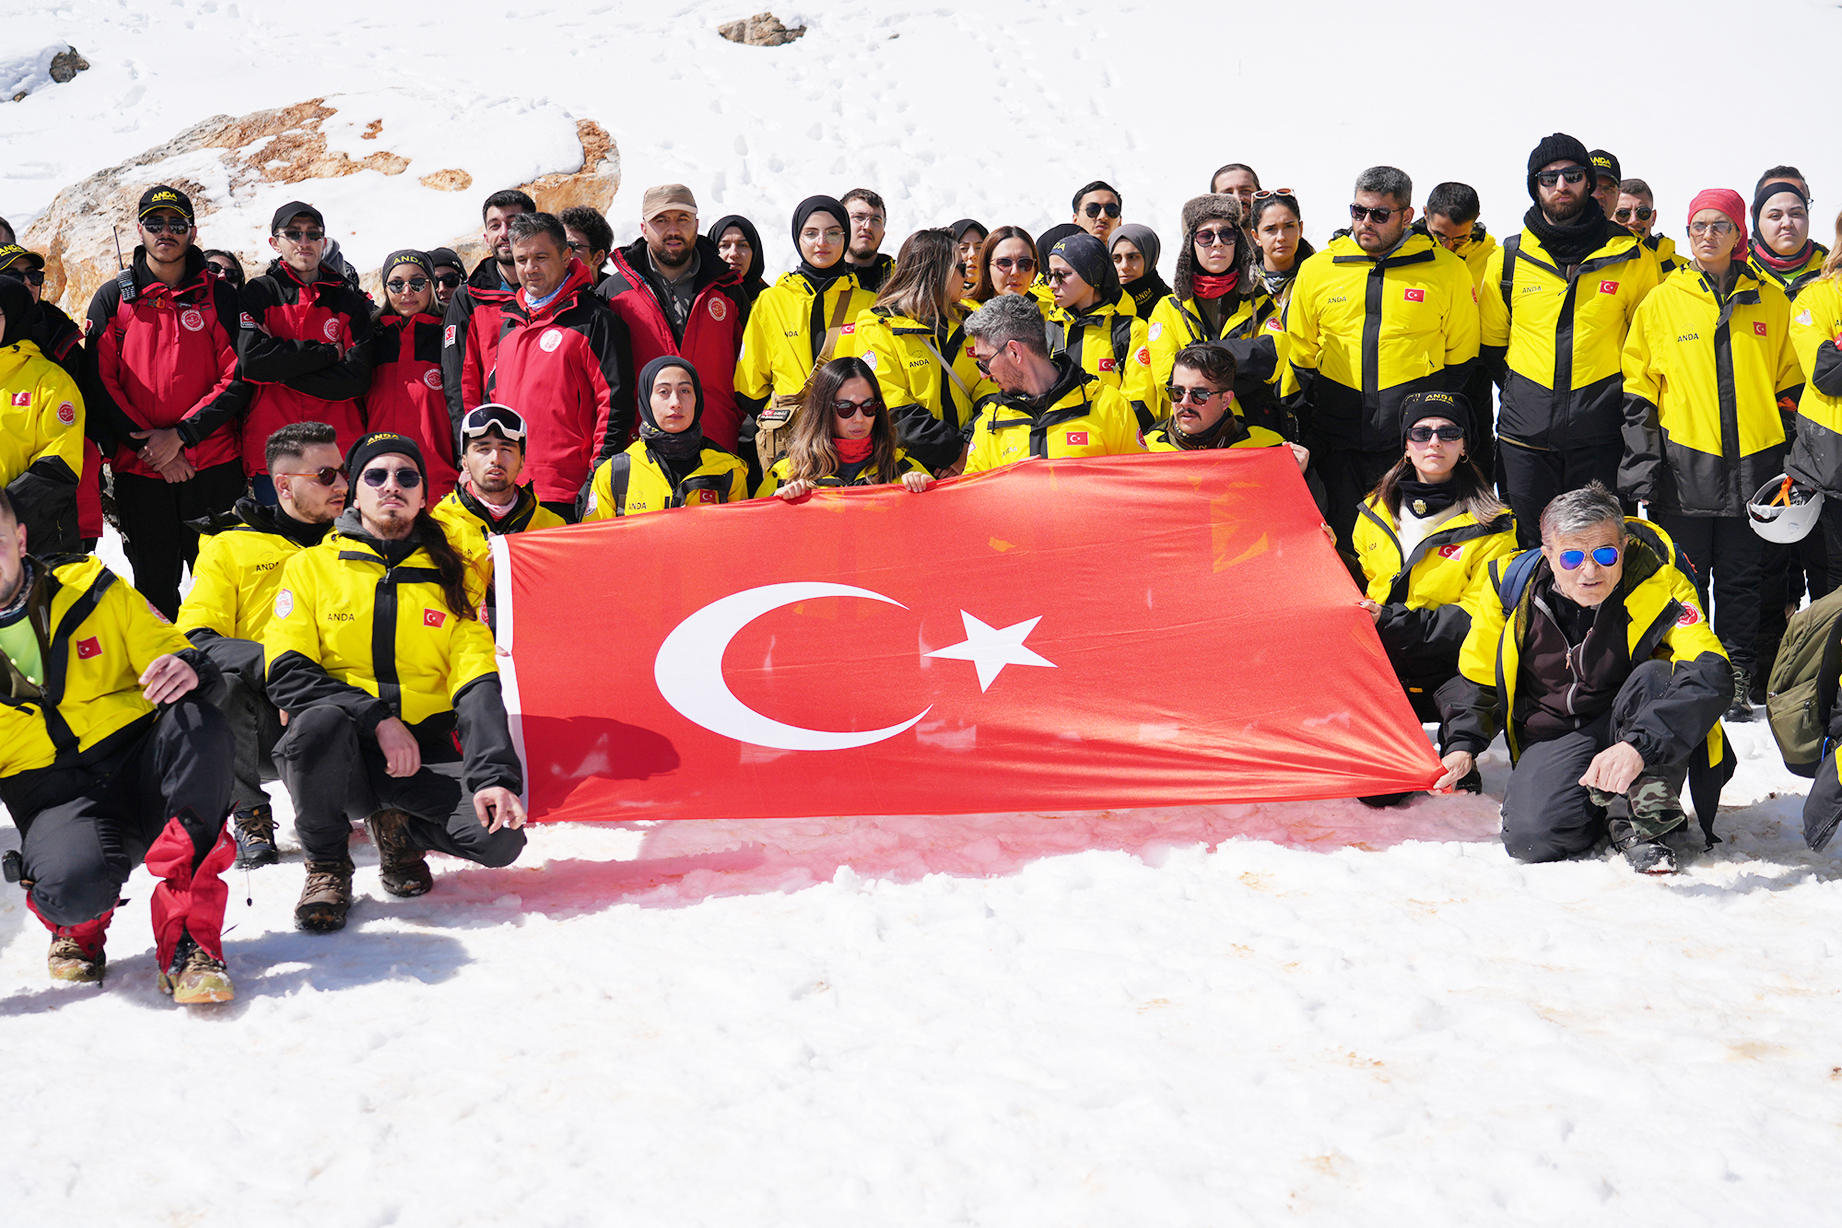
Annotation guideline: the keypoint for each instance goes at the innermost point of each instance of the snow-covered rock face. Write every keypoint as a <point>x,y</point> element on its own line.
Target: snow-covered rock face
<point>388,168</point>
<point>21,75</point>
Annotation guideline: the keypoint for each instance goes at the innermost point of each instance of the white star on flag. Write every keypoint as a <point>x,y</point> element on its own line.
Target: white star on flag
<point>990,649</point>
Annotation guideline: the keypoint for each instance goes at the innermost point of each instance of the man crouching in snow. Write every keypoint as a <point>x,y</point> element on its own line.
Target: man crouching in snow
<point>1612,683</point>
<point>110,751</point>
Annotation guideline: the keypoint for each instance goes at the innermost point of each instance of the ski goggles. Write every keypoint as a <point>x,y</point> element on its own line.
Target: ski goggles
<point>1605,556</point>
<point>501,418</point>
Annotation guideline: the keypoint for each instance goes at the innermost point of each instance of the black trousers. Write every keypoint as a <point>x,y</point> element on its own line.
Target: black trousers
<point>1728,558</point>
<point>153,513</point>
<point>84,829</point>
<point>1547,813</point>
<point>1348,477</point>
<point>254,721</point>
<point>1530,478</point>
<point>336,775</point>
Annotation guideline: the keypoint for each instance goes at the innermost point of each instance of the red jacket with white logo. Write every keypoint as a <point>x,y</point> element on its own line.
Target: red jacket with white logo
<point>305,348</point>
<point>567,367</point>
<point>712,336</point>
<point>406,393</point>
<point>162,356</point>
<point>470,338</point>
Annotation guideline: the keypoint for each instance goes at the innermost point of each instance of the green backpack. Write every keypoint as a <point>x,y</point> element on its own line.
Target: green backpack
<point>1801,694</point>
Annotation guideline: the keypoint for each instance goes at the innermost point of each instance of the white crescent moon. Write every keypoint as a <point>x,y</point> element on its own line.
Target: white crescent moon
<point>689,671</point>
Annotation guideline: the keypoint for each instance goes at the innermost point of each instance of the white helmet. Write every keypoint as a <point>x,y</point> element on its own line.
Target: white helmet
<point>1781,512</point>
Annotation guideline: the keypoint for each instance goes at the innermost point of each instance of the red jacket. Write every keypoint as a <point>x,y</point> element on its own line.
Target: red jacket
<point>470,338</point>
<point>406,394</point>
<point>567,367</point>
<point>304,346</point>
<point>712,336</point>
<point>159,357</point>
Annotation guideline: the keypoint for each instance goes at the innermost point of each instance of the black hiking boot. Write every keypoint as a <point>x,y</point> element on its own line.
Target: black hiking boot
<point>1742,695</point>
<point>402,865</point>
<point>254,829</point>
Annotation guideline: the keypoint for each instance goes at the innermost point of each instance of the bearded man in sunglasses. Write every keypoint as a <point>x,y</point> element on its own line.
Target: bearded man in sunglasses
<point>239,568</point>
<point>1594,658</point>
<point>377,654</point>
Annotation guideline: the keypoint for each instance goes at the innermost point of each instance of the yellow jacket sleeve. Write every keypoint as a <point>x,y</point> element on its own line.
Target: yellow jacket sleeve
<point>1477,660</point>
<point>738,483</point>
<point>147,635</point>
<point>1461,321</point>
<point>982,454</point>
<point>212,603</point>
<point>600,495</point>
<point>1492,311</point>
<point>470,656</point>
<point>754,365</point>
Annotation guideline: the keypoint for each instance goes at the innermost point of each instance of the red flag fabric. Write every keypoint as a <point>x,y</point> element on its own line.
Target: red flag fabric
<point>1150,630</point>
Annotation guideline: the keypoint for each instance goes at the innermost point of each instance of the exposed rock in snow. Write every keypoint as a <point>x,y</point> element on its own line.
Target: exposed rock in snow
<point>761,30</point>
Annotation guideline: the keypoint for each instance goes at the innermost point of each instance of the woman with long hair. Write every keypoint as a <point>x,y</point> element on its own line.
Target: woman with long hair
<point>406,392</point>
<point>1006,265</point>
<point>671,464</point>
<point>1087,321</point>
<point>1279,235</point>
<point>1429,530</point>
<point>845,437</point>
<point>914,338</point>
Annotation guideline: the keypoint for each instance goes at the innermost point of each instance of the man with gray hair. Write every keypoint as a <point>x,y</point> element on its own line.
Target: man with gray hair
<point>1046,406</point>
<point>1594,658</point>
<point>1380,313</point>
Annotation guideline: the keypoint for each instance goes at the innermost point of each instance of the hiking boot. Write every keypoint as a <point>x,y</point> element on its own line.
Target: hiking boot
<point>72,960</point>
<point>254,829</point>
<point>1742,695</point>
<point>196,977</point>
<point>326,897</point>
<point>1651,857</point>
<point>403,867</point>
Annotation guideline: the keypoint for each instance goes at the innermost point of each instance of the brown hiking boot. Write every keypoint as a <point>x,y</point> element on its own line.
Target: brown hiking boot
<point>196,977</point>
<point>403,866</point>
<point>326,897</point>
<point>70,961</point>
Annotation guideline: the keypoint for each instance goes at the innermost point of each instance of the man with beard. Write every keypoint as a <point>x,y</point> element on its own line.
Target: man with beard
<point>470,332</point>
<point>489,501</point>
<point>869,219</point>
<point>1557,301</point>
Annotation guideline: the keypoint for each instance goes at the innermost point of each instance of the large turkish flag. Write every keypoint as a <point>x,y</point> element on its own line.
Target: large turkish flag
<point>1145,630</point>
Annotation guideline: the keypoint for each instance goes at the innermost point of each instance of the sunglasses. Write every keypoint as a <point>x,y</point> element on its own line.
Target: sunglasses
<point>1572,174</point>
<point>449,281</point>
<point>35,276</point>
<point>1285,192</point>
<point>1717,229</point>
<point>167,226</point>
<point>983,363</point>
<point>303,236</point>
<point>1095,209</point>
<point>1605,556</point>
<point>1209,238</point>
<point>1192,396</point>
<point>1058,276</point>
<point>846,410</point>
<point>481,420</point>
<point>407,479</point>
<point>326,475</point>
<point>1640,213</point>
<point>1023,264</point>
<point>415,284</point>
<point>1357,213</point>
<point>1424,434</point>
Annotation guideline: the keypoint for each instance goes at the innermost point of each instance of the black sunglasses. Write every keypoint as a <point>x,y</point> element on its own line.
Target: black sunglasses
<point>1640,213</point>
<point>1095,209</point>
<point>448,281</point>
<point>326,475</point>
<point>163,226</point>
<point>1572,174</point>
<point>303,236</point>
<point>850,409</point>
<point>1424,434</point>
<point>407,479</point>
<point>1023,264</point>
<point>1226,236</point>
<point>1357,213</point>
<point>35,276</point>
<point>416,284</point>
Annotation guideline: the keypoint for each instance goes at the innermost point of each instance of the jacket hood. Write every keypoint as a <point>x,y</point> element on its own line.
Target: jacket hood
<point>1213,207</point>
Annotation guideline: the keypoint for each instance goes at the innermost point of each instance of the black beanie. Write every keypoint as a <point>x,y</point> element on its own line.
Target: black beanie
<point>1557,148</point>
<point>407,255</point>
<point>382,443</point>
<point>1767,191</point>
<point>1453,405</point>
<point>1046,242</point>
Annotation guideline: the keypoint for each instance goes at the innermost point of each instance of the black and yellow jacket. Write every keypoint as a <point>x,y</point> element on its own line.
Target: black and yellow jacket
<point>929,379</point>
<point>1556,336</point>
<point>1793,280</point>
<point>41,445</point>
<point>470,526</point>
<point>1254,332</point>
<point>1424,620</point>
<point>1077,416</point>
<point>849,475</point>
<point>788,327</point>
<point>1664,249</point>
<point>1816,323</point>
<point>239,568</point>
<point>635,482</point>
<point>379,639</point>
<point>96,636</point>
<point>1663,619</point>
<point>1703,377</point>
<point>1363,332</point>
<point>1111,344</point>
<point>1237,434</point>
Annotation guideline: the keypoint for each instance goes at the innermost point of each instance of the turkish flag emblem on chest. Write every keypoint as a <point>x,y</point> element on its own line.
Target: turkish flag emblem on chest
<point>989,645</point>
<point>88,648</point>
<point>1416,296</point>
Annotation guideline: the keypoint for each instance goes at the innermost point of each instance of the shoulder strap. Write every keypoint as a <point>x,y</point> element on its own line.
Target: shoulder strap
<point>620,475</point>
<point>1511,246</point>
<point>1122,342</point>
<point>1515,577</point>
<point>948,368</point>
<point>1826,677</point>
<point>833,330</point>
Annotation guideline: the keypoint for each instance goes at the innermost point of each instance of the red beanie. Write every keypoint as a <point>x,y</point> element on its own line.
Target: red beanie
<point>1728,202</point>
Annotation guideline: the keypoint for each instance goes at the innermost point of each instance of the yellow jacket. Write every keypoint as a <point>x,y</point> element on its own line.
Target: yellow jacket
<point>1362,333</point>
<point>1565,335</point>
<point>41,445</point>
<point>1816,322</point>
<point>1080,417</point>
<point>1111,345</point>
<point>932,405</point>
<point>781,473</point>
<point>1791,281</point>
<point>96,636</point>
<point>1702,381</point>
<point>239,568</point>
<point>633,482</point>
<point>1664,249</point>
<point>1255,334</point>
<point>779,344</point>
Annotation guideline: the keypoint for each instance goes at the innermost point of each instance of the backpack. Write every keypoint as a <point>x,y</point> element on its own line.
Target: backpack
<point>1801,695</point>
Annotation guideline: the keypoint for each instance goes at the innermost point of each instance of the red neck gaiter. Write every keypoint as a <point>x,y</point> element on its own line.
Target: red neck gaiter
<point>854,451</point>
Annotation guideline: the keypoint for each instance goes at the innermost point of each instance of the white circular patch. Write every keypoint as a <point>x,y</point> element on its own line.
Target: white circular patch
<point>193,319</point>
<point>432,377</point>
<point>869,360</point>
<point>550,340</point>
<point>718,307</point>
<point>1156,330</point>
<point>332,329</point>
<point>284,603</point>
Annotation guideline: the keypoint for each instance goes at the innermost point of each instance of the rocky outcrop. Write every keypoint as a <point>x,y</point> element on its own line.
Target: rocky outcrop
<point>21,76</point>
<point>233,169</point>
<point>761,30</point>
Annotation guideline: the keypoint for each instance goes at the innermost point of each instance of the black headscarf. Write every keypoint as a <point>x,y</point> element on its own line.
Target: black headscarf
<point>964,224</point>
<point>1150,289</point>
<point>1087,256</point>
<point>1046,242</point>
<point>16,305</point>
<point>753,282</point>
<point>677,454</point>
<point>821,279</point>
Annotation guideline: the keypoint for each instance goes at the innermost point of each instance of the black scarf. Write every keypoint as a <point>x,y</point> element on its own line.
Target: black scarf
<point>1226,432</point>
<point>1571,242</point>
<point>1147,292</point>
<point>1426,499</point>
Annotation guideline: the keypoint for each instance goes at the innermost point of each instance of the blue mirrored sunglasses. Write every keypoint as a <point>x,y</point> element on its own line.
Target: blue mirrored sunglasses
<point>1605,556</point>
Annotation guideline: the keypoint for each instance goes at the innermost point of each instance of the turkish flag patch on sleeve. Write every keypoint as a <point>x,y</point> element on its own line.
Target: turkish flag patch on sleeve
<point>434,618</point>
<point>1416,295</point>
<point>1759,327</point>
<point>88,648</point>
<point>21,399</point>
<point>1077,439</point>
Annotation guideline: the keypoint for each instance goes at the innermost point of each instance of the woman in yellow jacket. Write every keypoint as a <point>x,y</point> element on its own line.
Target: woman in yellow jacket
<point>1007,264</point>
<point>849,438</point>
<point>671,464</point>
<point>914,340</point>
<point>1706,363</point>
<point>1215,297</point>
<point>1087,321</point>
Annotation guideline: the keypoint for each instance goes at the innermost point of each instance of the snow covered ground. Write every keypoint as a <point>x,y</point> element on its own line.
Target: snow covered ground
<point>1223,1015</point>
